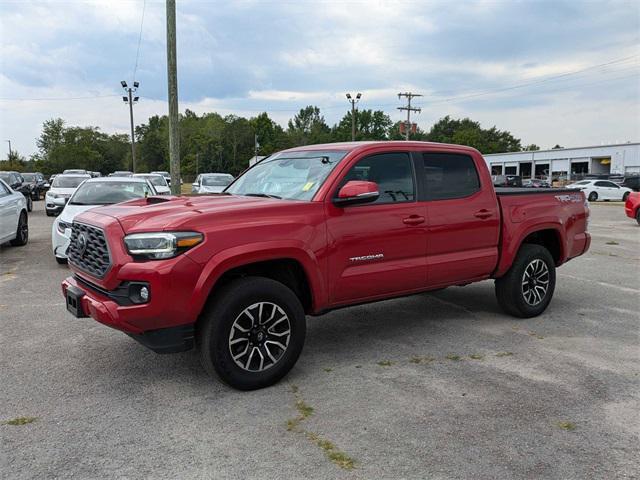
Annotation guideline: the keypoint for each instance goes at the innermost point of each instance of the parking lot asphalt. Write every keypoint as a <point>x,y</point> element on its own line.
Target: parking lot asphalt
<point>436,386</point>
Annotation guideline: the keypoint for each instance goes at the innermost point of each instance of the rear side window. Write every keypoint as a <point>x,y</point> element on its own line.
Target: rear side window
<point>449,175</point>
<point>393,172</point>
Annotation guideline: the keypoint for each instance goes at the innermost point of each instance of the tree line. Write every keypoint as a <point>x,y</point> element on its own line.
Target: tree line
<point>213,143</point>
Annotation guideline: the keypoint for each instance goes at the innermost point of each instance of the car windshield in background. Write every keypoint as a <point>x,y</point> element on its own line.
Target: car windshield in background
<point>216,181</point>
<point>29,177</point>
<point>107,193</point>
<point>157,180</point>
<point>64,181</point>
<point>5,177</point>
<point>289,175</point>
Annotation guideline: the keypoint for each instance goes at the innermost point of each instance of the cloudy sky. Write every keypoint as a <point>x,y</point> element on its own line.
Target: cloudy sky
<point>550,72</point>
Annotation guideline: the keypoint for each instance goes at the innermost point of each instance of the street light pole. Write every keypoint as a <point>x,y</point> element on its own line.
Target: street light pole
<point>353,102</point>
<point>9,141</point>
<point>130,99</point>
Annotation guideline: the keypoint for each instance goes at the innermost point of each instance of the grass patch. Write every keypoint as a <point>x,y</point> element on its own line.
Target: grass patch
<point>328,370</point>
<point>304,409</point>
<point>341,459</point>
<point>476,356</point>
<point>385,363</point>
<point>453,357</point>
<point>332,452</point>
<point>20,421</point>
<point>569,426</point>
<point>358,366</point>
<point>535,335</point>
<point>612,242</point>
<point>504,354</point>
<point>421,359</point>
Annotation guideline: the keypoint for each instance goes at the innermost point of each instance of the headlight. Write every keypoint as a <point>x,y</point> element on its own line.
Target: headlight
<point>62,226</point>
<point>52,195</point>
<point>159,245</point>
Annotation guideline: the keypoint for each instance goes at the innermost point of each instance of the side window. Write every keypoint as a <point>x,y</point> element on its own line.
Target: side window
<point>602,184</point>
<point>4,191</point>
<point>611,185</point>
<point>393,172</point>
<point>449,175</point>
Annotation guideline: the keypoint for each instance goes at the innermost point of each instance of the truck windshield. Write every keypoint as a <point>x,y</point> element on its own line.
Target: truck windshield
<point>288,175</point>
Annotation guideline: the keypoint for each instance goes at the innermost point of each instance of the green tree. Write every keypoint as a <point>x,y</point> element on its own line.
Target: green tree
<point>467,132</point>
<point>308,127</point>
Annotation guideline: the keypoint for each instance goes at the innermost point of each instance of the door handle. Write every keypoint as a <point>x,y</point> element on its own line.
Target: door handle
<point>413,220</point>
<point>484,213</point>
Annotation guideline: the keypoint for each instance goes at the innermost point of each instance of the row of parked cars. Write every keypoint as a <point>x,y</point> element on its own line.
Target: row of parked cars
<point>74,192</point>
<point>595,187</point>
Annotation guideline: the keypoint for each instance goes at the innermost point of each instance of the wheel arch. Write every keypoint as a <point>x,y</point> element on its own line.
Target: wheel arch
<point>294,267</point>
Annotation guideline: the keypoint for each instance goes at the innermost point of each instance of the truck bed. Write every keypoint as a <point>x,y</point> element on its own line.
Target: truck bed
<point>500,191</point>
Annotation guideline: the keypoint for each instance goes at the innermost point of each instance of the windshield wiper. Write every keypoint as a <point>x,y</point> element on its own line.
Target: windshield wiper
<point>265,195</point>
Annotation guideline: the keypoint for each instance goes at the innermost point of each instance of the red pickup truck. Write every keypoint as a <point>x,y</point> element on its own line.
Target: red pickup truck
<point>309,230</point>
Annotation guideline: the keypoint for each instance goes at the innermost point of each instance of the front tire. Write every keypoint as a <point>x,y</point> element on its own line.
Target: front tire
<point>22,232</point>
<point>593,196</point>
<point>527,288</point>
<point>625,196</point>
<point>61,261</point>
<point>251,333</point>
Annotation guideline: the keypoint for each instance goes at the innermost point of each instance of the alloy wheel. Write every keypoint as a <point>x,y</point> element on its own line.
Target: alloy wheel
<point>259,336</point>
<point>535,282</point>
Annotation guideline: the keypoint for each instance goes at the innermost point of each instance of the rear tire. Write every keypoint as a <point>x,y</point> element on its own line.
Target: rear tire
<point>22,232</point>
<point>61,261</point>
<point>29,204</point>
<point>527,288</point>
<point>240,330</point>
<point>593,196</point>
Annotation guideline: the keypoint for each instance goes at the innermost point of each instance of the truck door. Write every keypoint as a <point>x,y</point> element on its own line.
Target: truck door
<point>377,249</point>
<point>463,220</point>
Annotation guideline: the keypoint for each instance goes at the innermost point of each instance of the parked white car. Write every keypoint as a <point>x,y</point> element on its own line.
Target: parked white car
<point>93,193</point>
<point>158,182</point>
<point>62,187</point>
<point>211,182</point>
<point>601,190</point>
<point>14,222</point>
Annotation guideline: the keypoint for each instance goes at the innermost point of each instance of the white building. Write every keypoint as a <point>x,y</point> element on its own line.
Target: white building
<point>568,163</point>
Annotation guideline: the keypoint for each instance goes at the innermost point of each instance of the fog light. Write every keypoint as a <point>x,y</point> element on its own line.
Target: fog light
<point>144,294</point>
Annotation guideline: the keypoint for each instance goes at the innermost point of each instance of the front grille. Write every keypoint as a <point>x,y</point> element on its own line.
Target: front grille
<point>88,250</point>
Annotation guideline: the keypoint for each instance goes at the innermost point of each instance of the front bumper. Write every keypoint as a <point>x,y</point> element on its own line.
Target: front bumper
<point>59,241</point>
<point>108,309</point>
<point>52,208</point>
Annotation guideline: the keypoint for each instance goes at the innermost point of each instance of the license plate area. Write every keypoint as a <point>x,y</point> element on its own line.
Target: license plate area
<point>74,301</point>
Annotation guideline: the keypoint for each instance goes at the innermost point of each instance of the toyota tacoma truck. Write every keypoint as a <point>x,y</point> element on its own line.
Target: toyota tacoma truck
<point>309,230</point>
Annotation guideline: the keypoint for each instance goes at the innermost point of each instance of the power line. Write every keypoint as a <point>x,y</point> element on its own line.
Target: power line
<point>135,68</point>
<point>536,82</point>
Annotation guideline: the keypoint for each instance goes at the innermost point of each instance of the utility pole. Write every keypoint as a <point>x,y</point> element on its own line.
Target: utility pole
<point>130,99</point>
<point>9,141</point>
<point>353,102</point>
<point>172,81</point>
<point>197,162</point>
<point>409,109</point>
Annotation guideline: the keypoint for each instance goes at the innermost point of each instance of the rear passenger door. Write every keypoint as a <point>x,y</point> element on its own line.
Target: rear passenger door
<point>463,221</point>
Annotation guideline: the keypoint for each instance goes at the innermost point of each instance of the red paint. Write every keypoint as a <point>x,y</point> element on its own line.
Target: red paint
<point>349,254</point>
<point>632,205</point>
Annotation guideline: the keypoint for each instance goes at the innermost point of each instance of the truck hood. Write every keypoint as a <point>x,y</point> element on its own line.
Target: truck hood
<point>171,213</point>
